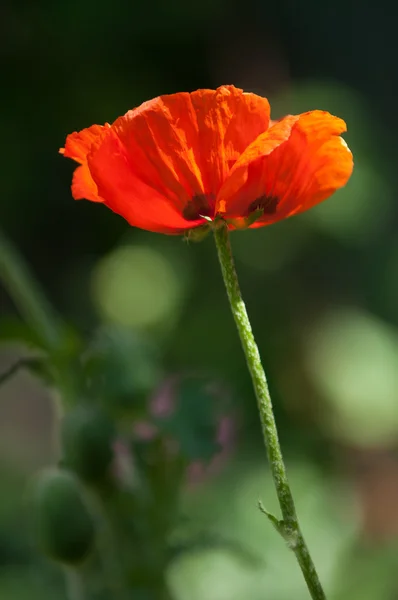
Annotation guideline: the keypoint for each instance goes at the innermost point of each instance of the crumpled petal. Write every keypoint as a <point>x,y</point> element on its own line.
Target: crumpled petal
<point>78,143</point>
<point>77,147</point>
<point>228,121</point>
<point>83,186</point>
<point>131,196</point>
<point>300,161</point>
<point>180,160</point>
<point>161,164</point>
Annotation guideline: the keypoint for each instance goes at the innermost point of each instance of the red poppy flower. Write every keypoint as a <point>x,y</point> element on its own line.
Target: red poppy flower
<point>180,160</point>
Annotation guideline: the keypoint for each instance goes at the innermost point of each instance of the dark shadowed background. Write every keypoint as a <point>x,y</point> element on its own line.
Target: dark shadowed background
<point>321,288</point>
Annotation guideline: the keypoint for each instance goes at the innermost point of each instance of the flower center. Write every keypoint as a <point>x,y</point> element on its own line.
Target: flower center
<point>200,205</point>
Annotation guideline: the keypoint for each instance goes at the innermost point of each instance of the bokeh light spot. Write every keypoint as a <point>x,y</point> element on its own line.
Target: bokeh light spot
<point>136,286</point>
<point>352,358</point>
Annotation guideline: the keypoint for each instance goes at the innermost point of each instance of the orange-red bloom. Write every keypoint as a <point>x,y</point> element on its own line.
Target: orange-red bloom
<point>177,161</point>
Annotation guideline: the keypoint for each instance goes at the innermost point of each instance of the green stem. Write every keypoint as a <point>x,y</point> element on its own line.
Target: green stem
<point>289,527</point>
<point>27,295</point>
<point>74,584</point>
<point>106,545</point>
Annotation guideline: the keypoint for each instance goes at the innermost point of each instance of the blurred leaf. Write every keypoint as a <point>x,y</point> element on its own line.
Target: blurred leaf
<point>87,435</point>
<point>13,329</point>
<point>60,367</point>
<point>121,365</point>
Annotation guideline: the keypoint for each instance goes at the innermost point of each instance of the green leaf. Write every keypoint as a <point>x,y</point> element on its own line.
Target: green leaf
<point>13,329</point>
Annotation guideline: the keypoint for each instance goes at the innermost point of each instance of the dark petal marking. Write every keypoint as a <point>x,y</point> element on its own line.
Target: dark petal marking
<point>268,204</point>
<point>202,204</point>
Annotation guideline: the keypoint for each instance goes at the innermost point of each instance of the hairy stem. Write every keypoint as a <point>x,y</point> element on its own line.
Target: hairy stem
<point>288,527</point>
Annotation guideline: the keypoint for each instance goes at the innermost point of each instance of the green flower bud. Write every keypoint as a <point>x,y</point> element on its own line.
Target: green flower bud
<point>63,524</point>
<point>87,441</point>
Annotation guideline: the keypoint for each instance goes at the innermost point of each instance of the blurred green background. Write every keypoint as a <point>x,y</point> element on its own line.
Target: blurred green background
<point>321,289</point>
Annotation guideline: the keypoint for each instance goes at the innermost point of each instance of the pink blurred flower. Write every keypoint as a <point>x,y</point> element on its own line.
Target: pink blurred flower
<point>198,471</point>
<point>145,431</point>
<point>162,405</point>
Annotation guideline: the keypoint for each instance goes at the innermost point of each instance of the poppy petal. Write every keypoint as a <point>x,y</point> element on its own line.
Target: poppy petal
<point>78,143</point>
<point>228,121</point>
<point>77,146</point>
<point>185,144</point>
<point>299,162</point>
<point>83,186</point>
<point>174,152</point>
<point>129,194</point>
<point>160,141</point>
